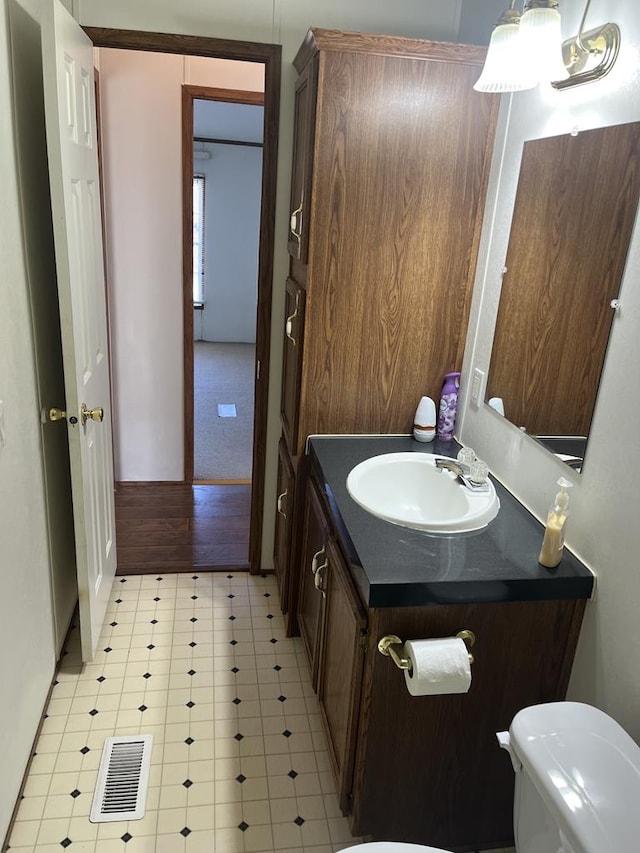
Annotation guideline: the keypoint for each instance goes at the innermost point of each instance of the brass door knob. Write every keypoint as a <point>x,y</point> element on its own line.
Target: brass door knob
<point>56,414</point>
<point>96,414</point>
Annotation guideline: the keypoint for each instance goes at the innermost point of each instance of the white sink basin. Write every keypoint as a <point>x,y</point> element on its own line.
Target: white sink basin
<point>407,489</point>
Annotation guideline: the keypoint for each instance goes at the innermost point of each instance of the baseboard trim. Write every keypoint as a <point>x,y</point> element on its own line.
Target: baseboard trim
<point>180,569</point>
<point>147,483</point>
<point>222,482</point>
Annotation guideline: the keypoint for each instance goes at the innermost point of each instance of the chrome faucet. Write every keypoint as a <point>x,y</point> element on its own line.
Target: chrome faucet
<point>463,473</point>
<point>458,468</point>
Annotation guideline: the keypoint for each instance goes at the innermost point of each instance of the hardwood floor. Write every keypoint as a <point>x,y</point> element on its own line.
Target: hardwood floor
<point>173,527</point>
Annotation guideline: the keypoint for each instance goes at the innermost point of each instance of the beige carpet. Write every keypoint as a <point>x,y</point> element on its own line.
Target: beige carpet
<point>223,376</point>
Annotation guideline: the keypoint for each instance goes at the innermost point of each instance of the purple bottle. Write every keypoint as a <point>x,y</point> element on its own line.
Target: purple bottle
<point>448,406</point>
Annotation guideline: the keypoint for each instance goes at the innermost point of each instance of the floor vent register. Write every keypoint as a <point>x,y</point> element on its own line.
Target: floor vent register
<point>123,779</point>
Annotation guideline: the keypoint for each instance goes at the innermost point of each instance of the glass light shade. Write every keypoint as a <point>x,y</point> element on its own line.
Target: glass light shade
<point>504,69</point>
<point>541,44</point>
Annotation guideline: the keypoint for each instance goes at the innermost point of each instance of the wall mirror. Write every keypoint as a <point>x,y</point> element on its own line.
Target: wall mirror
<point>574,212</point>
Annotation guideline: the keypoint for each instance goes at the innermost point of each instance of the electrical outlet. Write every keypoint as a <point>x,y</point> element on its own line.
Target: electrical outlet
<point>477,387</point>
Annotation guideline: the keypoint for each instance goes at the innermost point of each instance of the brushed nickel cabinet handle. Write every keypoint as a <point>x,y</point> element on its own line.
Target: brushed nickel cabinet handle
<point>293,223</point>
<point>317,578</point>
<point>288,326</point>
<point>314,560</point>
<point>280,500</point>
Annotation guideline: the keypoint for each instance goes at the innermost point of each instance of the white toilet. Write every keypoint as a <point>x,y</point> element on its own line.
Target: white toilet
<point>577,784</point>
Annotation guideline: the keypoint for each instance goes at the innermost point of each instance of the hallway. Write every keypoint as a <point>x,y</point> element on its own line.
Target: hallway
<point>239,758</point>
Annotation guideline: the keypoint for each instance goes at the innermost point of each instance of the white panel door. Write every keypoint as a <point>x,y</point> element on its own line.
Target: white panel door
<point>75,200</point>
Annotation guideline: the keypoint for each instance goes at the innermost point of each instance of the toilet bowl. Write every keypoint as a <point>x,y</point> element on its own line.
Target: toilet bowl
<point>394,847</point>
<point>577,784</point>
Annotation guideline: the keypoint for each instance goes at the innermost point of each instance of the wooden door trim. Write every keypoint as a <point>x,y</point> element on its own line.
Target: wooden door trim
<point>271,56</point>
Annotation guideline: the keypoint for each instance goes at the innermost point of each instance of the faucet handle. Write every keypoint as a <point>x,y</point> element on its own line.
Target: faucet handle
<point>466,455</point>
<point>478,472</point>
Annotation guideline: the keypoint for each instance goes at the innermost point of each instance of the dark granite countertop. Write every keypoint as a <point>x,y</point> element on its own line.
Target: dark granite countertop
<point>395,566</point>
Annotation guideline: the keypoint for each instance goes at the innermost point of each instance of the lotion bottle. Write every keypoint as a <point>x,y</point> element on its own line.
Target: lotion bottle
<point>553,542</point>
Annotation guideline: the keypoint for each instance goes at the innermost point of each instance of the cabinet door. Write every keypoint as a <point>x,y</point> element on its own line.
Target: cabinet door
<point>292,362</point>
<point>285,504</point>
<point>340,668</point>
<point>312,561</point>
<point>305,111</point>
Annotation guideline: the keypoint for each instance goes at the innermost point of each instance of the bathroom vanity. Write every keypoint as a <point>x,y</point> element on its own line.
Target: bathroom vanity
<point>426,769</point>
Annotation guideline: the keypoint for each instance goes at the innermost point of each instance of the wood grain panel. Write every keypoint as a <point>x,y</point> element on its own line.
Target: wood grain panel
<point>400,169</point>
<point>435,51</point>
<point>174,527</point>
<point>461,791</point>
<point>574,212</point>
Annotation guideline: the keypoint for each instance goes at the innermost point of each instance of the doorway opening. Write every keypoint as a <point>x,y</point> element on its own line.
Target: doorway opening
<point>227,128</point>
<point>269,56</point>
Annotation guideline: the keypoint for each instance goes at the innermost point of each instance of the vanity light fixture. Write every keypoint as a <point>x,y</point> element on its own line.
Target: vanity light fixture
<point>526,50</point>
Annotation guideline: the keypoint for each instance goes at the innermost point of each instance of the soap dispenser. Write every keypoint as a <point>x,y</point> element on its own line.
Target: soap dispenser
<point>553,542</point>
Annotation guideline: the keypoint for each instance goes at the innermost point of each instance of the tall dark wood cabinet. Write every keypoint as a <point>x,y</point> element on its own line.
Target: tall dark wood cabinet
<point>391,157</point>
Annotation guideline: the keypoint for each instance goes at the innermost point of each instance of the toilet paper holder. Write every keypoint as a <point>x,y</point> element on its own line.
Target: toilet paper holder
<point>392,647</point>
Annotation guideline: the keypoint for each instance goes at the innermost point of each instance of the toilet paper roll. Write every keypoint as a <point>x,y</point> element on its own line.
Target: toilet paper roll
<point>437,667</point>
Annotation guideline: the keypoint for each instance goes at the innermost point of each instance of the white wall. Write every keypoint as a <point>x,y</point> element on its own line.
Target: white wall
<point>478,18</point>
<point>603,529</point>
<point>27,654</point>
<point>284,22</point>
<point>233,190</point>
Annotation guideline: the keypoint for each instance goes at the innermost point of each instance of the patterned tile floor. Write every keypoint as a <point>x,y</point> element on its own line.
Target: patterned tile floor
<point>239,758</point>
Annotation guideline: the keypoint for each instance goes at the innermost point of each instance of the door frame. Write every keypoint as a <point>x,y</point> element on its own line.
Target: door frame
<point>270,55</point>
<point>189,95</point>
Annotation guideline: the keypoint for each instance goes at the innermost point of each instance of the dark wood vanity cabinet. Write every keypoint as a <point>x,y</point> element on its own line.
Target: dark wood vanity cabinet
<point>424,769</point>
<point>340,665</point>
<point>332,624</point>
<point>312,567</point>
<point>392,150</point>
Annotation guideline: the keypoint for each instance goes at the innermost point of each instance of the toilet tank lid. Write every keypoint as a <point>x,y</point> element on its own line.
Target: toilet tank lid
<point>586,768</point>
